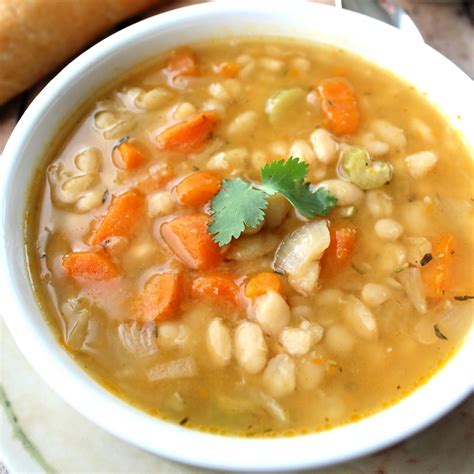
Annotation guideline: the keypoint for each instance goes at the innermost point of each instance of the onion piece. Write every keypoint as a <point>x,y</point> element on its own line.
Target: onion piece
<point>270,405</point>
<point>411,282</point>
<point>174,369</point>
<point>140,341</point>
<point>303,246</point>
<point>299,253</point>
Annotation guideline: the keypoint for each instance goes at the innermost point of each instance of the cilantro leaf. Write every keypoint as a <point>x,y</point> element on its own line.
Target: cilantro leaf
<point>240,204</point>
<point>287,178</point>
<point>237,205</point>
<point>280,174</point>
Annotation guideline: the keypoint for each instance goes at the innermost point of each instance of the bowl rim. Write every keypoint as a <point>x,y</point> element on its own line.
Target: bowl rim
<point>130,424</point>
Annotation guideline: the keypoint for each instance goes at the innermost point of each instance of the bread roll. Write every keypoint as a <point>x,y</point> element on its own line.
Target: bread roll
<point>36,36</point>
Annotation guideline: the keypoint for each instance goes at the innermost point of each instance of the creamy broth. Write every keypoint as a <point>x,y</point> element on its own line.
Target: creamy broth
<point>232,341</point>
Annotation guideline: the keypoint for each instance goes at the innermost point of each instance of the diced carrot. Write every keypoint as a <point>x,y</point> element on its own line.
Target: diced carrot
<point>437,274</point>
<point>161,298</point>
<point>183,62</point>
<point>156,180</point>
<point>188,238</point>
<point>216,288</point>
<point>318,361</point>
<point>227,69</point>
<point>339,104</point>
<point>198,188</point>
<point>89,265</point>
<point>340,248</point>
<point>122,218</point>
<point>188,136</point>
<point>262,282</point>
<point>127,156</point>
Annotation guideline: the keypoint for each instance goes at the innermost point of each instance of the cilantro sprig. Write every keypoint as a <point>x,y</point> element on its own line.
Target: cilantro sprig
<point>241,204</point>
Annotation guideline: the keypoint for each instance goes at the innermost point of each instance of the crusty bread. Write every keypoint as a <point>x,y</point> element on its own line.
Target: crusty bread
<point>36,36</point>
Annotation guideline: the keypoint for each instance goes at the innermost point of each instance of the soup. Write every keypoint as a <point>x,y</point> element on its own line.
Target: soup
<point>257,237</point>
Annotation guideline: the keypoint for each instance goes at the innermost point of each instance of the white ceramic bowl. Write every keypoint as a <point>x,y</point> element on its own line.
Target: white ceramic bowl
<point>409,57</point>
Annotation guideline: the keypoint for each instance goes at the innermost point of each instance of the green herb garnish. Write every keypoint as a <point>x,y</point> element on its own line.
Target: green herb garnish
<point>464,297</point>
<point>438,333</point>
<point>241,204</point>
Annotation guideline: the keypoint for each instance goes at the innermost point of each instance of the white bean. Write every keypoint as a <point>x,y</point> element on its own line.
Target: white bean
<point>295,341</point>
<point>253,246</point>
<point>379,203</point>
<point>271,312</point>
<point>301,149</point>
<point>421,163</point>
<point>73,188</point>
<point>373,146</point>
<point>153,99</point>
<point>215,105</point>
<point>184,111</point>
<point>389,133</point>
<point>272,65</point>
<point>139,254</point>
<point>278,148</point>
<point>422,129</point>
<point>250,348</point>
<point>279,376</point>
<point>388,229</point>
<point>313,99</point>
<point>339,340</point>
<point>415,217</point>
<point>302,65</point>
<point>374,294</point>
<point>417,248</point>
<point>88,161</point>
<point>361,319</point>
<point>233,87</point>
<point>89,200</point>
<point>219,92</point>
<point>160,204</point>
<point>302,312</point>
<point>394,256</point>
<point>219,343</point>
<point>346,193</point>
<point>324,145</point>
<point>104,119</point>
<point>121,129</point>
<point>234,158</point>
<point>308,374</point>
<point>315,330</point>
<point>243,124</point>
<point>304,282</point>
<point>172,334</point>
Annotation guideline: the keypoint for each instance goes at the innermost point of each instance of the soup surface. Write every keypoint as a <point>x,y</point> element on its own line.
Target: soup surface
<point>199,272</point>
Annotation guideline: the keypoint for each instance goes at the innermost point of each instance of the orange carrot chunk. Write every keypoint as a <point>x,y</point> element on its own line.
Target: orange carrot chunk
<point>227,69</point>
<point>123,215</point>
<point>160,299</point>
<point>188,238</point>
<point>127,156</point>
<point>339,104</point>
<point>188,136</point>
<point>437,274</point>
<point>260,283</point>
<point>198,188</point>
<point>340,249</point>
<point>216,288</point>
<point>183,62</point>
<point>89,265</point>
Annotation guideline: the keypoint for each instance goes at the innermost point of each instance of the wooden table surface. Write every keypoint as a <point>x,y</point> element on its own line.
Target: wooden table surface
<point>444,24</point>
